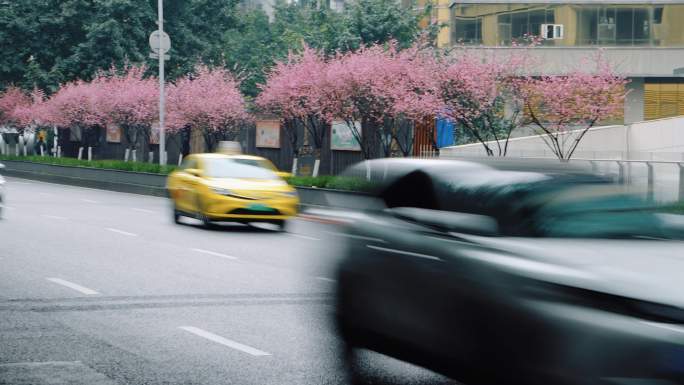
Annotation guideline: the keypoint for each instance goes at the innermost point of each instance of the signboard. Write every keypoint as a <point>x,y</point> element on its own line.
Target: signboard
<point>305,165</point>
<point>342,138</point>
<point>113,133</point>
<point>154,133</point>
<point>160,42</point>
<point>268,133</point>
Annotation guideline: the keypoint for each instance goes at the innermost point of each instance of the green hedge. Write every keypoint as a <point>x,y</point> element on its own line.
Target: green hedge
<point>323,181</point>
<point>103,164</point>
<point>331,182</point>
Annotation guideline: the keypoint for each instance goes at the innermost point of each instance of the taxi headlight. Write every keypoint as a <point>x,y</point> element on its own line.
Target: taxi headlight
<point>222,191</point>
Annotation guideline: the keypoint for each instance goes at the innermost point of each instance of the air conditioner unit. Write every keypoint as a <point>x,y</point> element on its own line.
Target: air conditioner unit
<point>552,31</point>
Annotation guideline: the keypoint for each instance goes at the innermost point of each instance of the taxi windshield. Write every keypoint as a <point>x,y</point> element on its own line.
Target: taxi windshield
<point>228,168</point>
<point>255,162</point>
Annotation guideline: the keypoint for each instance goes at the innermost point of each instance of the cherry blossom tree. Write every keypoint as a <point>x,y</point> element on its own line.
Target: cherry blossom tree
<point>33,113</point>
<point>12,102</point>
<point>296,90</point>
<point>482,91</point>
<point>79,106</point>
<point>379,86</point>
<point>565,107</point>
<point>207,99</point>
<point>132,103</point>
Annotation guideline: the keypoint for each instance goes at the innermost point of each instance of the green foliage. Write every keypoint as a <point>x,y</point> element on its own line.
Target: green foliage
<point>331,182</point>
<point>48,42</point>
<point>250,47</point>
<point>103,164</point>
<point>377,21</point>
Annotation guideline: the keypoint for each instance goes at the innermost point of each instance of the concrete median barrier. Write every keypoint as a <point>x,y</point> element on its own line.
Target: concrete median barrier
<point>154,184</point>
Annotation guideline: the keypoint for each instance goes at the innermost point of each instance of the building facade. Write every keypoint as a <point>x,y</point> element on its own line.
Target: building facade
<point>643,39</point>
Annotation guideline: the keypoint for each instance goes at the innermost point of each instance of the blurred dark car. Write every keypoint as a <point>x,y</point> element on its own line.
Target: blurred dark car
<point>513,273</point>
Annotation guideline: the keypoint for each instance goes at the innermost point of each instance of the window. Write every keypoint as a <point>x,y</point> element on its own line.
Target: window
<point>552,31</point>
<point>588,24</point>
<point>658,15</point>
<point>468,30</point>
<point>519,25</point>
<point>606,26</point>
<point>624,26</point>
<point>642,26</point>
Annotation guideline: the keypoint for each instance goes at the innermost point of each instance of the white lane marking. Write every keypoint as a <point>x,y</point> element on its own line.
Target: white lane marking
<point>71,285</point>
<point>46,194</point>
<point>8,207</point>
<point>121,232</point>
<point>16,182</point>
<point>354,236</point>
<point>304,237</point>
<point>224,341</point>
<point>326,279</point>
<point>404,252</point>
<point>215,254</point>
<point>53,217</point>
<point>88,200</point>
<point>143,210</point>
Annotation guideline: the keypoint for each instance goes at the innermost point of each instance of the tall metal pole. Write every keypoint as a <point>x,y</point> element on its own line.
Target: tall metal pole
<point>162,137</point>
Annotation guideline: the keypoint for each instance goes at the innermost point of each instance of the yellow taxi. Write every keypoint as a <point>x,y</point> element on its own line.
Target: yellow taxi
<point>222,188</point>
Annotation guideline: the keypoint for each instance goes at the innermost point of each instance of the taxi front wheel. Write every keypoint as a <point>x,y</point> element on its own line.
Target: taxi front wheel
<point>206,222</point>
<point>280,223</point>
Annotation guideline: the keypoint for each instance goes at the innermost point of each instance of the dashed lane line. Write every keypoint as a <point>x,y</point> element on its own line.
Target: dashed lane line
<point>224,341</point>
<point>74,286</point>
<point>215,254</point>
<point>121,232</point>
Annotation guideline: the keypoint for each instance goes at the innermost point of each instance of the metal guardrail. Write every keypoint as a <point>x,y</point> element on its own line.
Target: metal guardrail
<point>625,174</point>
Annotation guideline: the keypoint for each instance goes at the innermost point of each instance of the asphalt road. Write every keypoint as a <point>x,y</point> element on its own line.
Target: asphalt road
<point>102,288</point>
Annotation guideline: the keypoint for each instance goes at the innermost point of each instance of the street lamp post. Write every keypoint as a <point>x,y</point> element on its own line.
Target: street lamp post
<point>162,136</point>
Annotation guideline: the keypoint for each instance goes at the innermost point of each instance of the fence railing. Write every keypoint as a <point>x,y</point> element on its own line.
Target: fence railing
<point>655,180</point>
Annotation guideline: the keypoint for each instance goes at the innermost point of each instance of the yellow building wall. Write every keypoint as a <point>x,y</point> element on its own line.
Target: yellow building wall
<point>567,16</point>
<point>673,21</point>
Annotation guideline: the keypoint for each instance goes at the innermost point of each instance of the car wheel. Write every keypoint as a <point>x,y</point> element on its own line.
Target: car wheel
<point>176,216</point>
<point>206,222</point>
<point>281,224</point>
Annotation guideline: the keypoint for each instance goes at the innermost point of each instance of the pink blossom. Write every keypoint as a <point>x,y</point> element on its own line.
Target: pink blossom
<point>208,99</point>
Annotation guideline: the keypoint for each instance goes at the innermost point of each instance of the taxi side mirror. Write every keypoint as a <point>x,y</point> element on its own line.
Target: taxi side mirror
<point>194,172</point>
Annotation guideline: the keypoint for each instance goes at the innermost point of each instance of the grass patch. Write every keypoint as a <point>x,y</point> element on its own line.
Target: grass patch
<point>101,164</point>
<point>331,182</point>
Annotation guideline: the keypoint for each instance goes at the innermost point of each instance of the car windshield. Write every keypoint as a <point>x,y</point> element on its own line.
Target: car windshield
<point>229,168</point>
<point>255,162</point>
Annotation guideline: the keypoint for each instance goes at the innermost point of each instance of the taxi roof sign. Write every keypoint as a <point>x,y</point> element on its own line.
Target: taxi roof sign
<point>229,147</point>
